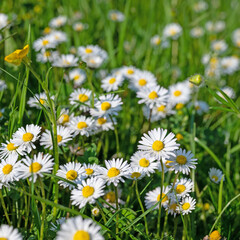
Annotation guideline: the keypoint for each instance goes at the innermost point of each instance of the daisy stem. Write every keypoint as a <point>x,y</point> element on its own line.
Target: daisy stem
<point>141,205</point>
<point>89,78</point>
<point>117,216</point>
<point>149,120</point>
<point>160,207</point>
<point>102,213</point>
<point>165,224</point>
<point>4,208</point>
<point>43,210</point>
<point>116,136</point>
<point>175,227</point>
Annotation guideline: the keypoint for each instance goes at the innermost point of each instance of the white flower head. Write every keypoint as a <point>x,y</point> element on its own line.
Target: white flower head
<point>112,83</point>
<point>64,117</point>
<point>44,43</point>
<point>39,99</point>
<point>58,22</point>
<point>183,187</point>
<point>90,170</point>
<point>136,173</point>
<point>65,61</point>
<point>78,76</point>
<point>219,46</point>
<point>215,175</point>
<point>3,85</point>
<point>9,233</point>
<point>179,93</point>
<point>9,149</point>
<point>197,32</point>
<point>3,20</point>
<point>187,205</point>
<point>172,30</point>
<point>116,16</point>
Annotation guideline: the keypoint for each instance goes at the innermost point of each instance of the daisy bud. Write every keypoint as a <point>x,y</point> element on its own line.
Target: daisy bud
<point>95,211</point>
<point>196,79</point>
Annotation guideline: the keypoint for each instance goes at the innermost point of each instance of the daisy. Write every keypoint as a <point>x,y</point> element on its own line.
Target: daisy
<point>44,43</point>
<point>183,161</point>
<point>112,83</point>
<point>58,22</point>
<point>107,105</point>
<point>219,46</point>
<point>71,171</point>
<point>9,169</point>
<point>144,161</point>
<point>172,207</point>
<point>64,135</point>
<point>166,166</point>
<point>216,27</point>
<point>158,144</point>
<point>94,61</point>
<point>183,186</point>
<point>78,76</point>
<point>110,197</point>
<point>9,233</point>
<point>200,6</point>
<point>81,125</point>
<point>136,173</point>
<point>58,36</point>
<point>157,41</point>
<point>152,197</point>
<point>91,50</point>
<point>87,192</point>
<point>47,56</point>
<point>179,93</point>
<point>229,65</point>
<point>187,205</point>
<point>64,117</point>
<point>228,91</point>
<point>197,32</point>
<point>38,100</point>
<point>8,149</point>
<point>114,172</point>
<point>81,96</point>
<point>26,137</point>
<point>64,61</point>
<point>79,228</point>
<point>129,71</point>
<point>79,26</point>
<point>201,107</point>
<point>90,170</point>
<point>236,37</point>
<point>172,30</point>
<point>35,167</point>
<point>215,175</point>
<point>95,212</point>
<point>105,124</point>
<point>152,96</point>
<point>3,20</point>
<point>116,16</point>
<point>3,85</point>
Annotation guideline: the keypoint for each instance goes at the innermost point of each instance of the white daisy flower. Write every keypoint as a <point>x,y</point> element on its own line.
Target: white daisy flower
<point>87,192</point>
<point>236,37</point>
<point>229,65</point>
<point>187,205</point>
<point>172,30</point>
<point>44,43</point>
<point>152,96</point>
<point>104,124</point>
<point>112,83</point>
<point>215,175</point>
<point>78,76</point>
<point>90,170</point>
<point>8,149</point>
<point>91,50</point>
<point>79,228</point>
<point>136,173</point>
<point>144,161</point>
<point>9,233</point>
<point>72,172</point>
<point>114,172</point>
<point>197,32</point>
<point>128,71</point>
<point>219,46</point>
<point>64,117</point>
<point>95,212</point>
<point>200,107</point>
<point>81,125</point>
<point>142,79</point>
<point>156,40</point>
<point>9,169</point>
<point>110,197</point>
<point>64,135</point>
<point>152,197</point>
<point>179,93</point>
<point>3,85</point>
<point>35,167</point>
<point>173,207</point>
<point>58,36</point>
<point>64,61</point>
<point>79,26</point>
<point>107,105</point>
<point>158,144</point>
<point>183,187</point>
<point>228,91</point>
<point>39,99</point>
<point>183,161</point>
<point>166,166</point>
<point>81,96</point>
<point>94,61</point>
<point>26,137</point>
<point>3,20</point>
<point>47,56</point>
<point>200,6</point>
<point>116,16</point>
<point>58,22</point>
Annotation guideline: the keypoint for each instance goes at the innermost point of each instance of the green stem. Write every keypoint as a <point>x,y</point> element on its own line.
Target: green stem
<point>4,208</point>
<point>117,216</point>
<point>43,210</point>
<point>89,78</point>
<point>116,136</point>
<point>141,205</point>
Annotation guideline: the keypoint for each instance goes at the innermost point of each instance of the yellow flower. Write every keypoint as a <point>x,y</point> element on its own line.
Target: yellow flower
<point>17,56</point>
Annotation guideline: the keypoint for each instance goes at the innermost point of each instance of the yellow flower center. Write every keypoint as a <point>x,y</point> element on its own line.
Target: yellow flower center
<point>27,137</point>
<point>114,16</point>
<point>59,138</point>
<point>157,145</point>
<point>7,169</point>
<point>110,196</point>
<point>89,171</point>
<point>215,235</point>
<point>180,189</point>
<point>47,54</point>
<point>3,239</point>
<point>181,159</point>
<point>161,108</point>
<point>47,30</point>
<point>197,107</point>
<point>144,162</point>
<point>71,175</point>
<point>186,206</point>
<point>65,118</point>
<point>87,191</point>
<point>152,95</point>
<point>167,164</point>
<point>165,198</point>
<point>215,178</point>
<point>173,206</point>
<point>35,167</point>
<point>81,235</point>
<point>83,97</point>
<point>45,42</point>
<point>1,114</point>
<point>88,50</point>
<point>82,125</point>
<point>101,121</point>
<point>142,82</point>
<point>11,147</point>
<point>206,206</point>
<point>76,77</point>
<point>179,106</point>
<point>113,172</point>
<point>177,93</point>
<point>130,71</point>
<point>173,32</point>
<point>135,175</point>
<point>112,80</point>
<point>158,41</point>
<point>105,106</point>
<point>42,101</point>
<point>179,136</point>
